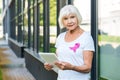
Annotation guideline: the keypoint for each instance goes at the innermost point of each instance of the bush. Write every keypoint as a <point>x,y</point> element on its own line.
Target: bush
<point>0,75</point>
<point>108,38</point>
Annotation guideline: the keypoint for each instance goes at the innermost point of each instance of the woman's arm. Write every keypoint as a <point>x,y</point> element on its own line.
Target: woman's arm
<point>87,55</point>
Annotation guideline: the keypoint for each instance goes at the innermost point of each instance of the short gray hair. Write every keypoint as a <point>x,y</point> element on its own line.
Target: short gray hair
<point>66,10</point>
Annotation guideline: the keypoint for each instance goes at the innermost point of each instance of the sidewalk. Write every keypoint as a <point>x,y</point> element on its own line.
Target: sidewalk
<point>13,68</point>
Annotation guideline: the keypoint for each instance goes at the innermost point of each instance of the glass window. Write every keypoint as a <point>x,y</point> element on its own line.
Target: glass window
<point>41,26</point>
<point>25,22</point>
<point>109,39</point>
<point>53,20</point>
<point>52,28</point>
<point>85,10</point>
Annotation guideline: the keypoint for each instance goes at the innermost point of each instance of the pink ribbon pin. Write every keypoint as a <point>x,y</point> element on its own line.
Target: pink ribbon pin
<point>75,47</point>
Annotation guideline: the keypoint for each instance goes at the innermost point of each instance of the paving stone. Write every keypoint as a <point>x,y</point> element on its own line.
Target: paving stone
<point>12,67</point>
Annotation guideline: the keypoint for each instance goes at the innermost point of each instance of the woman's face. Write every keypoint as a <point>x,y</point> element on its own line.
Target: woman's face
<point>70,21</point>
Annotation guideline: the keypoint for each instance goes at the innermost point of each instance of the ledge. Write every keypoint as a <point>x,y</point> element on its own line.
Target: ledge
<point>18,48</point>
<point>36,67</point>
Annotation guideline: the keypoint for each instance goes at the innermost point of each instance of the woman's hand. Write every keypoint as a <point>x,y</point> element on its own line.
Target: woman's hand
<point>64,65</point>
<point>48,66</point>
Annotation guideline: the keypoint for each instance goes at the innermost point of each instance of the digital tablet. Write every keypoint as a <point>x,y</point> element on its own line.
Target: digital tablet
<point>49,57</point>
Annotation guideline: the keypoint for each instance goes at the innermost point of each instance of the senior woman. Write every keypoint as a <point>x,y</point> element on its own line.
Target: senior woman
<point>74,47</point>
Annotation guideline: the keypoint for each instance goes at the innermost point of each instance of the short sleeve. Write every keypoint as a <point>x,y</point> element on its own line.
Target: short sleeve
<point>89,43</point>
<point>57,42</point>
<point>59,39</point>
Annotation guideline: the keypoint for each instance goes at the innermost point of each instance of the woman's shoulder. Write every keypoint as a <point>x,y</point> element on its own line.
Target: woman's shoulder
<point>87,35</point>
<point>62,34</point>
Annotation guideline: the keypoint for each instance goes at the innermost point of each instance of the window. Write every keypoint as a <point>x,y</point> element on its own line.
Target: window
<point>109,39</point>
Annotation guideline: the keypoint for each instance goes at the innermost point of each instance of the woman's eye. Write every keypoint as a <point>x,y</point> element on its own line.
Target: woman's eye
<point>65,18</point>
<point>72,16</point>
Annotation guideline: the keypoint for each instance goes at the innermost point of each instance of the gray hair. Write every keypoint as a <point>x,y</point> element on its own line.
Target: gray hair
<point>66,10</point>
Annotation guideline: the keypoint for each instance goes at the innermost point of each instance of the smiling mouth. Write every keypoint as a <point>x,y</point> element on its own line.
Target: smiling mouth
<point>70,25</point>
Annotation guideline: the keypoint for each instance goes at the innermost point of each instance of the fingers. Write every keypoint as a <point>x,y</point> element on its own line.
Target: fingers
<point>63,65</point>
<point>48,66</point>
<point>60,64</point>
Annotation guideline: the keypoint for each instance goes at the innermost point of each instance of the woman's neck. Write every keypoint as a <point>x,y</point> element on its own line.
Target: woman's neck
<point>76,30</point>
<point>71,35</point>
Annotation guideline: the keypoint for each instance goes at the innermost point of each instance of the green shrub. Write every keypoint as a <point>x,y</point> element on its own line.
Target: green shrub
<point>101,78</point>
<point>0,75</point>
<point>108,38</point>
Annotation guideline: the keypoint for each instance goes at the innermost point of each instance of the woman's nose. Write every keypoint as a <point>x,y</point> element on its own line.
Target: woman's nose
<point>69,20</point>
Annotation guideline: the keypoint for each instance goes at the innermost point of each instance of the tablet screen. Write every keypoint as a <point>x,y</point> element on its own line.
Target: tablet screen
<point>49,57</point>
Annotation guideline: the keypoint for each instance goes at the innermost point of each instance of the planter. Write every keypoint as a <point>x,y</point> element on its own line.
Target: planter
<point>16,47</point>
<point>35,65</point>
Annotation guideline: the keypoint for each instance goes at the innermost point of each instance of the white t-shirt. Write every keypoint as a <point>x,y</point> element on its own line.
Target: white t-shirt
<point>72,52</point>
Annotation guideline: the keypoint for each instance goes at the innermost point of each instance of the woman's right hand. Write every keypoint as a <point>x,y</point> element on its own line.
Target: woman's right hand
<point>48,66</point>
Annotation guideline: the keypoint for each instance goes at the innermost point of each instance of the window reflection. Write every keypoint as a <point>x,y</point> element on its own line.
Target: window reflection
<point>109,39</point>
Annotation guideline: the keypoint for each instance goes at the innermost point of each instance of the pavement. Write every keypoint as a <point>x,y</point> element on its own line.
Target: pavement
<point>12,67</point>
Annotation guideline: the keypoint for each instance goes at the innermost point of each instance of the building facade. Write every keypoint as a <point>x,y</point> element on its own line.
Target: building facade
<point>31,27</point>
